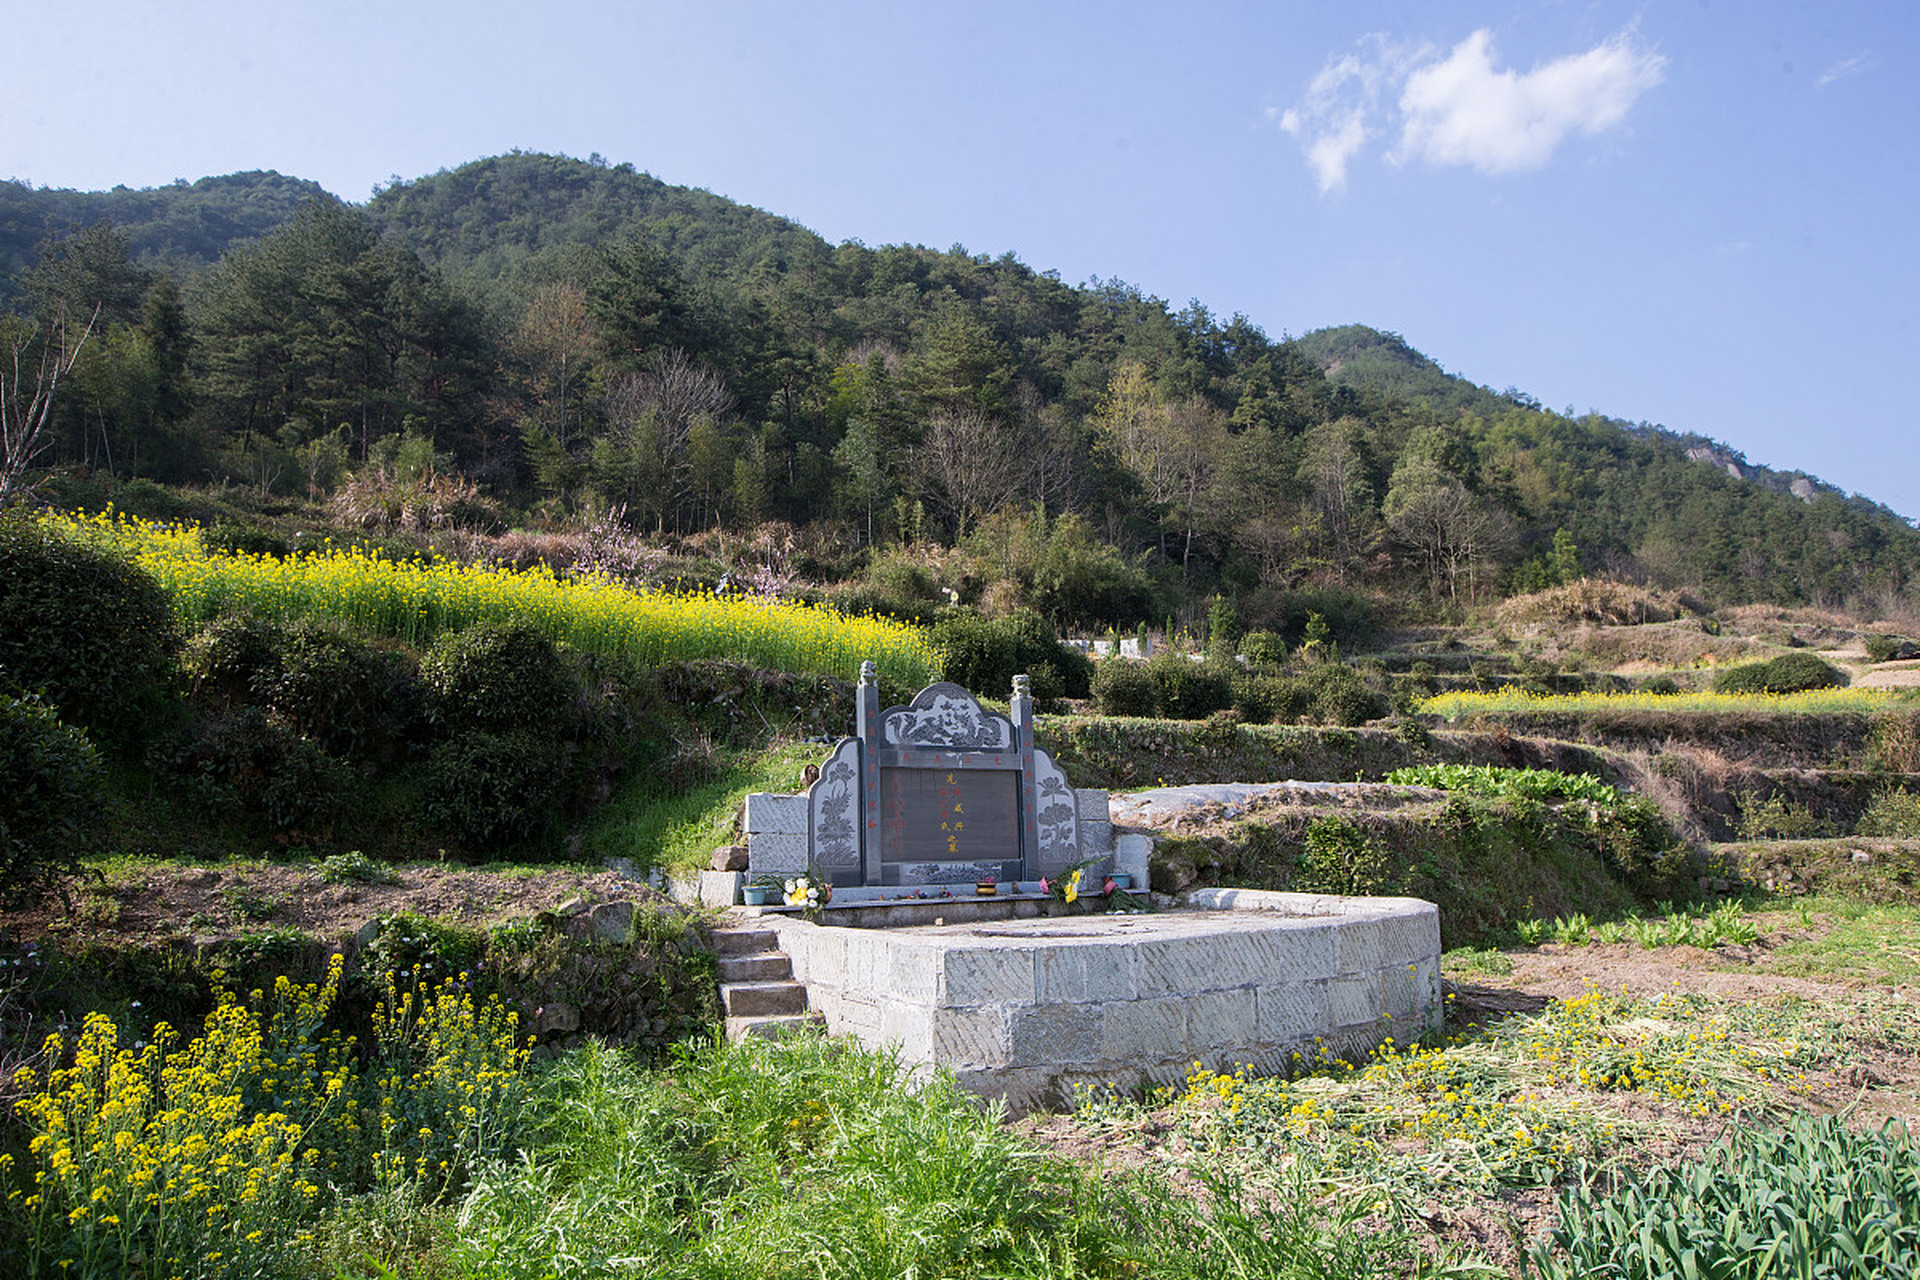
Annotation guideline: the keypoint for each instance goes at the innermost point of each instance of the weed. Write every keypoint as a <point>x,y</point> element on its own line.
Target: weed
<point>355,867</point>
<point>1572,931</point>
<point>1486,960</point>
<point>247,906</point>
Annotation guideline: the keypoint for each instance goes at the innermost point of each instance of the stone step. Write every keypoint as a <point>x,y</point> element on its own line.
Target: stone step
<point>776,1027</point>
<point>761,966</point>
<point>755,999</point>
<point>738,942</point>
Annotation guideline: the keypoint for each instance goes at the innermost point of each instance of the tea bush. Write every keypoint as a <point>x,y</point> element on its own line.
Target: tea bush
<point>229,656</point>
<point>1122,687</point>
<point>241,762</point>
<point>50,789</point>
<point>1788,673</point>
<point>355,699</point>
<point>1187,690</point>
<point>498,678</point>
<point>983,655</point>
<point>86,629</point>
<point>1885,648</point>
<point>1322,692</point>
<point>484,790</point>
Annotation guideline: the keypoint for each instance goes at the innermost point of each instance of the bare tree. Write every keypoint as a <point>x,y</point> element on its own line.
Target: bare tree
<point>1455,532</point>
<point>28,386</point>
<point>973,465</point>
<point>652,414</point>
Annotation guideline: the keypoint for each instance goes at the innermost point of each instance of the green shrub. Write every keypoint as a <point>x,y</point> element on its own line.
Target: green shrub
<point>1341,697</point>
<point>487,790</point>
<point>1259,697</point>
<point>1340,858</point>
<point>498,678</point>
<point>1187,690</point>
<point>984,655</point>
<point>1122,687</point>
<point>1886,648</point>
<point>1264,650</point>
<point>228,657</point>
<point>1892,812</point>
<point>1788,673</point>
<point>351,696</point>
<point>87,630</point>
<point>50,790</point>
<point>242,762</point>
<point>1349,617</point>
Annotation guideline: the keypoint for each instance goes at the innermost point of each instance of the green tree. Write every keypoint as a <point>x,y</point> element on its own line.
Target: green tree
<point>321,324</point>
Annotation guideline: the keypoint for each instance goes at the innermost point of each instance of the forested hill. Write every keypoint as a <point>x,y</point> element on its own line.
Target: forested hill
<point>186,225</point>
<point>572,335</point>
<point>507,223</point>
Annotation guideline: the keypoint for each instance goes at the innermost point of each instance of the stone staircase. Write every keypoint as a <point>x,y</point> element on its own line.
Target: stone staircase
<point>759,995</point>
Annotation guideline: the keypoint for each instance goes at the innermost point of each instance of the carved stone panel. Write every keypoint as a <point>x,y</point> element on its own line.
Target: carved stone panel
<point>946,715</point>
<point>834,810</point>
<point>1057,815</point>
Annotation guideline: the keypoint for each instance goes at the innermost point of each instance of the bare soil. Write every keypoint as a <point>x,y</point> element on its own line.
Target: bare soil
<point>212,904</point>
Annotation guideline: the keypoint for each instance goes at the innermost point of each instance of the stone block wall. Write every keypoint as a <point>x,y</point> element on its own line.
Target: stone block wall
<point>1025,1010</point>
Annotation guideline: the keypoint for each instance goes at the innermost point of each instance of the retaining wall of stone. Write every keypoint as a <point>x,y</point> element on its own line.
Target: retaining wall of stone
<point>1025,1009</point>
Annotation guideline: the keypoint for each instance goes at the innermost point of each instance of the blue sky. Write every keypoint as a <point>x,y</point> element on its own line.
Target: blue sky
<point>1698,213</point>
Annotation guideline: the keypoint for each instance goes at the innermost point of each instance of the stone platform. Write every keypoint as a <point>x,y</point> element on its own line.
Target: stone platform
<point>1023,1009</point>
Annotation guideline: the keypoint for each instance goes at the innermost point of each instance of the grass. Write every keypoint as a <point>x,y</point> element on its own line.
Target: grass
<point>1844,939</point>
<point>817,1158</point>
<point>678,829</point>
<point>416,602</point>
<point>1512,700</point>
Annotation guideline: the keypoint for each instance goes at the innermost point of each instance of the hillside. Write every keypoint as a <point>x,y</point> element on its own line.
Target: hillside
<point>573,335</point>
<point>185,226</point>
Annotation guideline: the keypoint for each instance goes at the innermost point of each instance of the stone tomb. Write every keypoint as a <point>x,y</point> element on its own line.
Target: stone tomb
<point>1025,1009</point>
<point>927,800</point>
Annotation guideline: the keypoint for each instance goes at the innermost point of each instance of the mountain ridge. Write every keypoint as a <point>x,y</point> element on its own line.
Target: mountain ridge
<point>791,325</point>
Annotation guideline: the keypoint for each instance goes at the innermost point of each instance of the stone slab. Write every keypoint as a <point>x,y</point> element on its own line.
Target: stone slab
<point>768,813</point>
<point>776,853</point>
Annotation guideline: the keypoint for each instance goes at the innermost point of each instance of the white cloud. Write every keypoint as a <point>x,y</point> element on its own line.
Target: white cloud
<point>1331,120</point>
<point>1841,70</point>
<point>1464,109</point>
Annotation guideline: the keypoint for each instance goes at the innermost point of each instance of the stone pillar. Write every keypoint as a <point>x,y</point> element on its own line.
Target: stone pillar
<point>868,730</point>
<point>1022,707</point>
